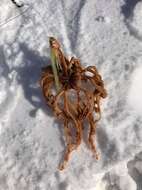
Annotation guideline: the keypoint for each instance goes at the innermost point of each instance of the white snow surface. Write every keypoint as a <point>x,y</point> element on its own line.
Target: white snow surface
<point>103,33</point>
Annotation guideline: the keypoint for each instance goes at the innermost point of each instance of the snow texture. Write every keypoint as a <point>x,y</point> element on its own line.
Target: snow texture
<point>107,34</point>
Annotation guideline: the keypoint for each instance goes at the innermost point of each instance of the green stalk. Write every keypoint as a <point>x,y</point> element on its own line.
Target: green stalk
<point>54,62</point>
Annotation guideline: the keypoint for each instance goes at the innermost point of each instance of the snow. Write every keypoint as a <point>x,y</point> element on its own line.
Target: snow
<point>135,92</point>
<point>103,33</point>
<point>136,19</point>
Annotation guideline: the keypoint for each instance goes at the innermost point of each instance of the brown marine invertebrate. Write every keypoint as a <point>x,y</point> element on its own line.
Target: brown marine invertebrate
<point>74,93</point>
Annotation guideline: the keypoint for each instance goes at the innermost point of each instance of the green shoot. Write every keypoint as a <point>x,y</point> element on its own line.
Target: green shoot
<point>54,62</point>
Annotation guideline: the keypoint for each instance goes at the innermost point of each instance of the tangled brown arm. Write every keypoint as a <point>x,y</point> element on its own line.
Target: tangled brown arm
<point>77,99</point>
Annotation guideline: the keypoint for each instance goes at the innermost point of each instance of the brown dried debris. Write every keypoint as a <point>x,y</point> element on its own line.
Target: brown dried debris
<point>77,98</point>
